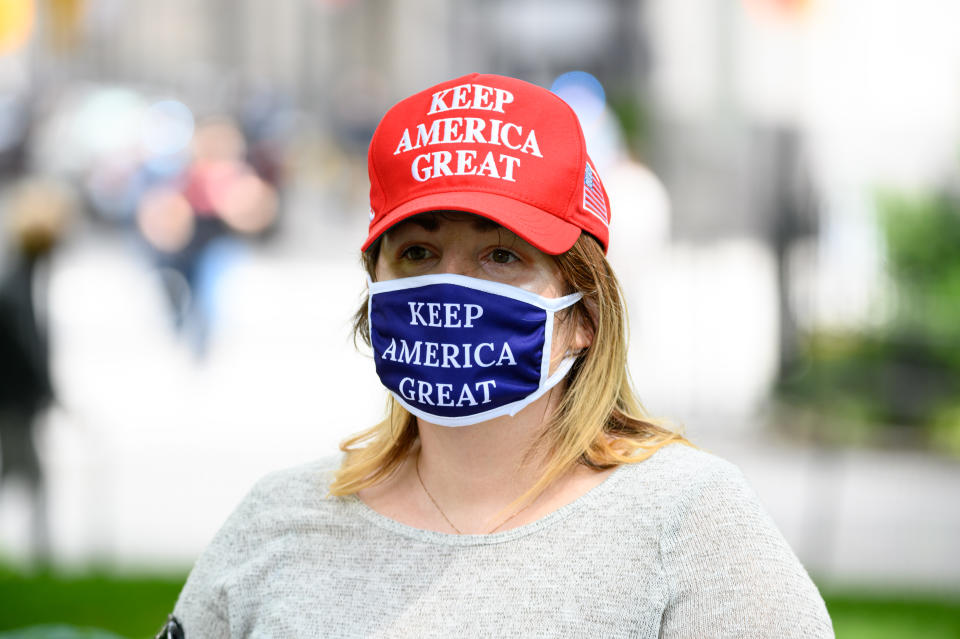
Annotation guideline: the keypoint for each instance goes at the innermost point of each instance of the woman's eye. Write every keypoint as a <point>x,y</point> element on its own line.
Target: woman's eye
<point>415,253</point>
<point>502,256</point>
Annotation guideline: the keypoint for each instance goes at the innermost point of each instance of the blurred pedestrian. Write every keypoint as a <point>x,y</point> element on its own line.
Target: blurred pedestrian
<point>192,227</point>
<point>37,215</point>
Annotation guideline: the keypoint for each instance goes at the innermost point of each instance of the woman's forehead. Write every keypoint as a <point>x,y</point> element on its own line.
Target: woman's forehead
<point>432,220</point>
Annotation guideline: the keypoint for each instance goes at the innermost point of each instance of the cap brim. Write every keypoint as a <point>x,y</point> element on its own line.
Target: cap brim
<point>543,230</point>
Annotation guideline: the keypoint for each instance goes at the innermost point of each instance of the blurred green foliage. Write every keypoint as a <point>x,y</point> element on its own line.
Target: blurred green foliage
<point>128,605</point>
<point>903,372</point>
<point>58,631</point>
<point>882,616</point>
<point>633,115</point>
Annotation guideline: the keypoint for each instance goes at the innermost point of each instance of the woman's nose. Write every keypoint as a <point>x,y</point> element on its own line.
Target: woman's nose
<point>457,263</point>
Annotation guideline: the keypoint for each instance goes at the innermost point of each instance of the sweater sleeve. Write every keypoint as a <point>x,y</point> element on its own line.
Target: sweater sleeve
<point>731,572</point>
<point>203,605</point>
<point>218,600</point>
<point>201,608</point>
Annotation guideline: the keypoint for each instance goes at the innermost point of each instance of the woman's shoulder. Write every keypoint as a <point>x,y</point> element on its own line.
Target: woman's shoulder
<point>310,480</point>
<point>281,502</point>
<point>721,551</point>
<point>278,501</point>
<point>678,475</point>
<point>681,466</point>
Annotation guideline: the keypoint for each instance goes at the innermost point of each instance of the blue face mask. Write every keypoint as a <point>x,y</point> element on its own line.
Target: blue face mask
<point>456,350</point>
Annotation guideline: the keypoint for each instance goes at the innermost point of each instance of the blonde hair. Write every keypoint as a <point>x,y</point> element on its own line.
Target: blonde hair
<point>599,423</point>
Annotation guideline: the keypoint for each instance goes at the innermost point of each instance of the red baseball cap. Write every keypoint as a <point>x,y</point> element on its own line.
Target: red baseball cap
<point>494,146</point>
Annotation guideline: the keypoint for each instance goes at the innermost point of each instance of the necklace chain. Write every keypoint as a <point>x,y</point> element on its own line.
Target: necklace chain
<point>444,515</point>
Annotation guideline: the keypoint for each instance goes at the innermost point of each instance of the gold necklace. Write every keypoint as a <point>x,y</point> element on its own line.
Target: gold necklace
<point>444,515</point>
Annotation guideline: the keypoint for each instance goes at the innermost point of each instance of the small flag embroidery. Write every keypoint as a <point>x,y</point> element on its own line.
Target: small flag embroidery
<point>593,199</point>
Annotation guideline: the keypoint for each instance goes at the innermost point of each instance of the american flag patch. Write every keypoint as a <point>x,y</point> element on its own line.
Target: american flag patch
<point>593,198</point>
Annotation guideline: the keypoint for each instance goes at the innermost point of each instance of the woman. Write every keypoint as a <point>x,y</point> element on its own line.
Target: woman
<point>516,487</point>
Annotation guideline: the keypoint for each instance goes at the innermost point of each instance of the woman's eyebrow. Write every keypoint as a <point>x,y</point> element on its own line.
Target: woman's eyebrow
<point>483,224</point>
<point>430,223</point>
<point>424,222</point>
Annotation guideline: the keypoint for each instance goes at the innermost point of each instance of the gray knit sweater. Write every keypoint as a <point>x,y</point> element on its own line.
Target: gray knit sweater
<point>675,546</point>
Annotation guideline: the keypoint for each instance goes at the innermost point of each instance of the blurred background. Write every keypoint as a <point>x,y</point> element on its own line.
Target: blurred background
<point>183,193</point>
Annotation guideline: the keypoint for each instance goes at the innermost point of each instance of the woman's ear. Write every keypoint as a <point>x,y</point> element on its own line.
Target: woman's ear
<point>583,334</point>
<point>581,329</point>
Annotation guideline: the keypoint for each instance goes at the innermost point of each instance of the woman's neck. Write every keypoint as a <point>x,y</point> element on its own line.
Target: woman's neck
<point>468,479</point>
<point>474,475</point>
<point>476,465</point>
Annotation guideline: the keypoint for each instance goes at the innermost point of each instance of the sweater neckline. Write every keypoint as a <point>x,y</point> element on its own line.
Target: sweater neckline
<point>452,539</point>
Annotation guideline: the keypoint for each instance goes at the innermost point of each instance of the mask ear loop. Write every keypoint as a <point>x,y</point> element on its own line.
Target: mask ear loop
<point>563,369</point>
<point>572,299</point>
